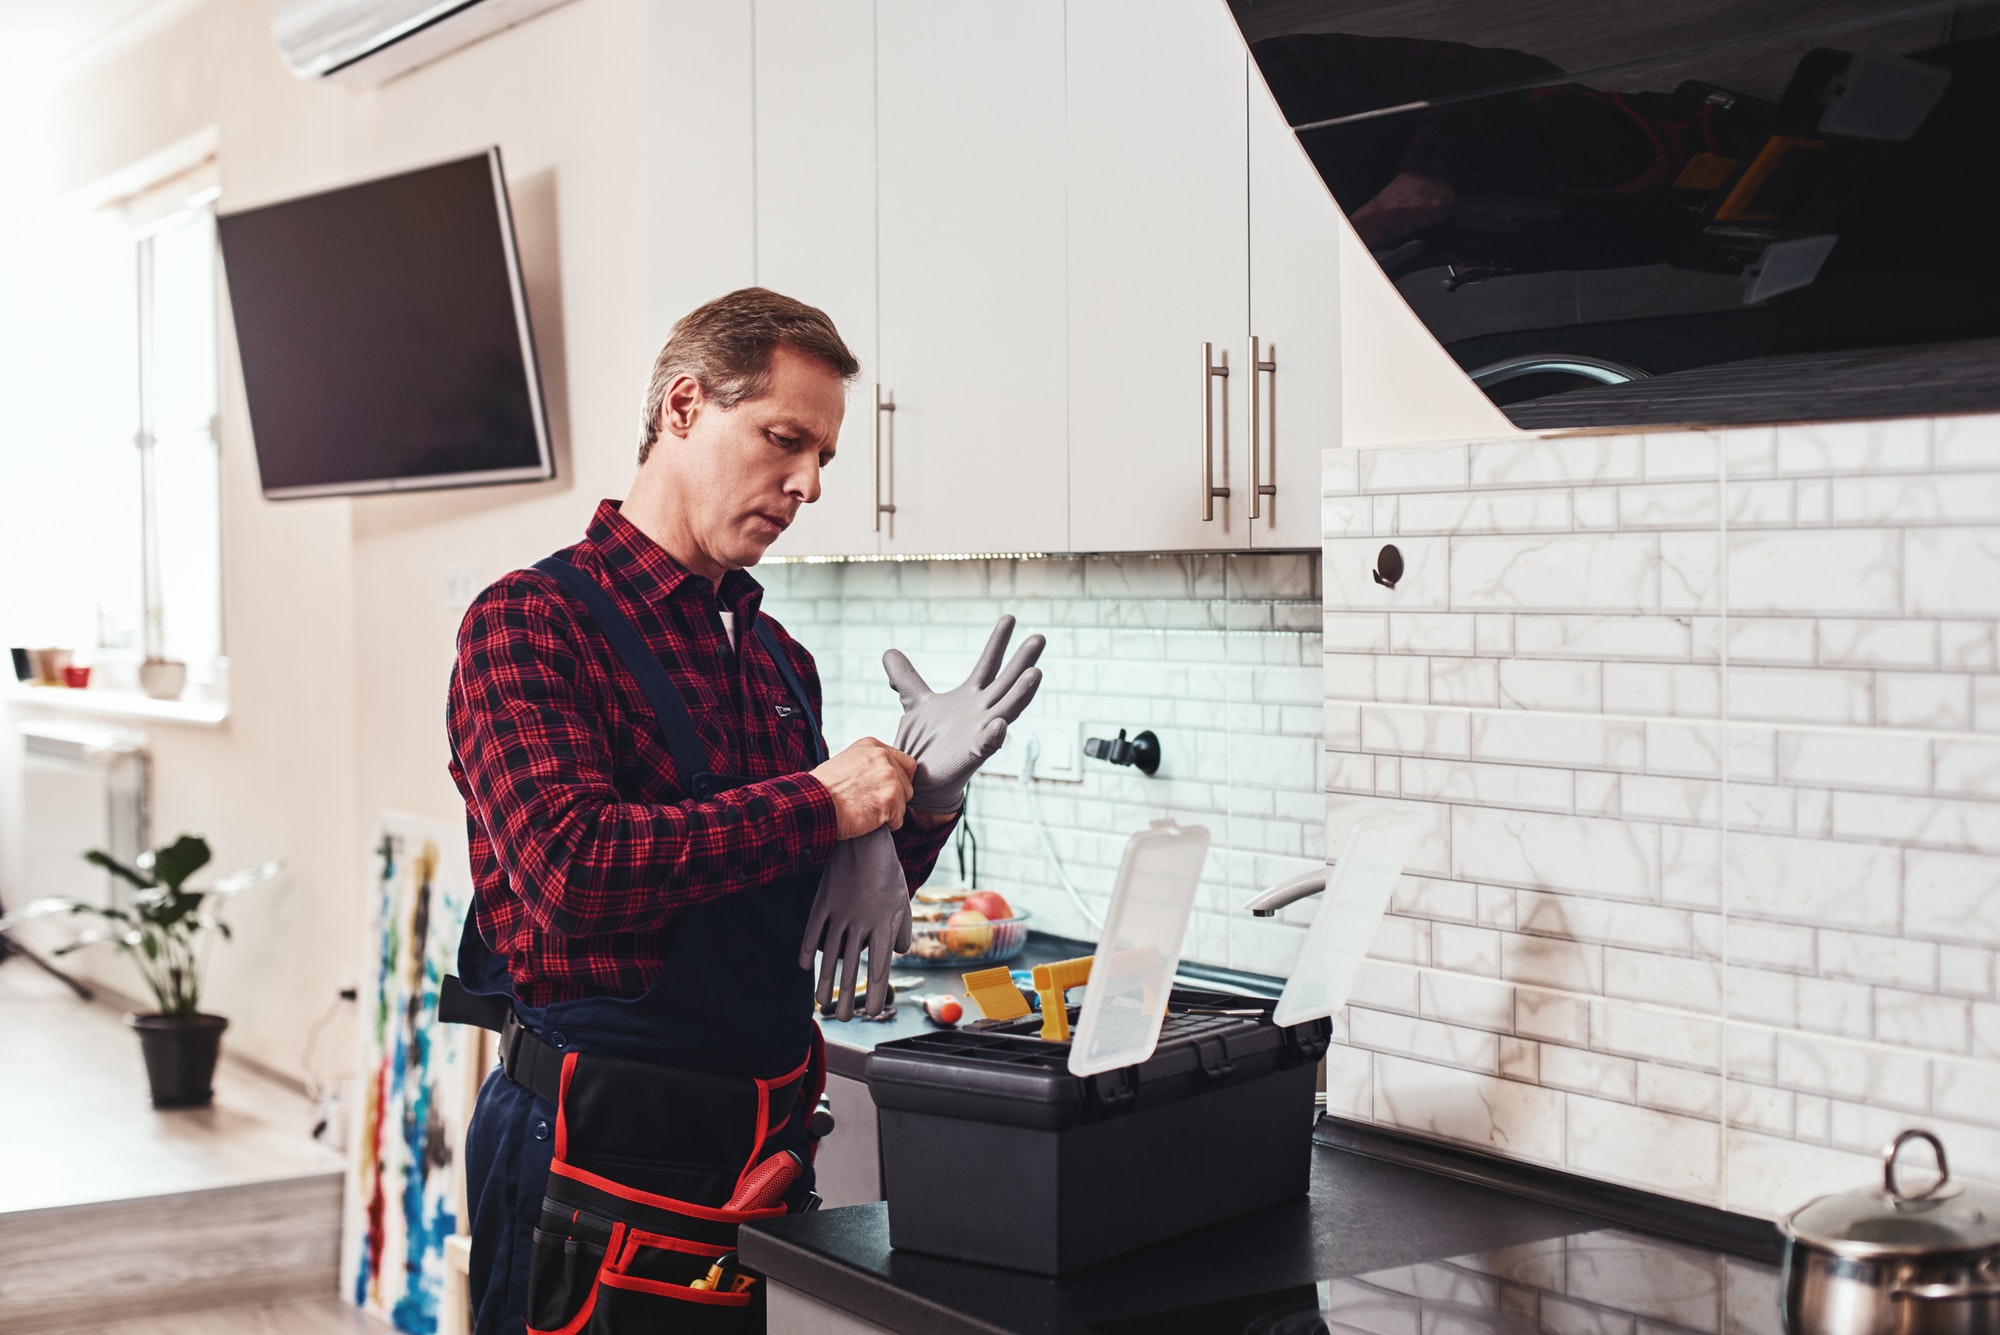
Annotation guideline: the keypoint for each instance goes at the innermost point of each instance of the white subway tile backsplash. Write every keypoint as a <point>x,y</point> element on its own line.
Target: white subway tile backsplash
<point>1556,1017</point>
<point>1507,1116</point>
<point>1483,512</point>
<point>1952,572</point>
<point>1655,1150</point>
<point>1589,1073</point>
<point>1530,684</point>
<point>1555,573</point>
<point>1414,468</point>
<point>1876,761</point>
<point>1595,856</point>
<point>1637,677</point>
<point>1802,695</point>
<point>1562,460</point>
<point>1833,571</point>
<point>1477,1002</point>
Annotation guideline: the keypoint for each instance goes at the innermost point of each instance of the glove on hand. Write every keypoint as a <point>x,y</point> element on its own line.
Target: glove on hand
<point>863,900</point>
<point>952,733</point>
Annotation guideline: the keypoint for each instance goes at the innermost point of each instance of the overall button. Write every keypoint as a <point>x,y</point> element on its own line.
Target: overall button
<point>541,1129</point>
<point>556,1039</point>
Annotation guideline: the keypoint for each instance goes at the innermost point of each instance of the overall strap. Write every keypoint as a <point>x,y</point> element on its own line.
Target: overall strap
<point>669,710</point>
<point>793,683</point>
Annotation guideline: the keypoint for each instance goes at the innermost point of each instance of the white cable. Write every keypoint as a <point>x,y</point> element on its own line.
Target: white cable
<point>1031,751</point>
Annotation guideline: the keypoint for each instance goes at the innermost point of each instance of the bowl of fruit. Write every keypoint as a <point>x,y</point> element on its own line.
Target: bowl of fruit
<point>958,928</point>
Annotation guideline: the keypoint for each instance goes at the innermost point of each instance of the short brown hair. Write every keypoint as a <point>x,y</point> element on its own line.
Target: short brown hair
<point>726,345</point>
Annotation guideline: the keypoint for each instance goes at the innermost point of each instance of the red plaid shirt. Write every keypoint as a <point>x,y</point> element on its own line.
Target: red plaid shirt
<point>585,841</point>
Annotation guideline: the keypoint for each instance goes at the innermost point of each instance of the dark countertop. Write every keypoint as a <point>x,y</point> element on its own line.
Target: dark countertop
<point>849,1042</point>
<point>1477,1245</point>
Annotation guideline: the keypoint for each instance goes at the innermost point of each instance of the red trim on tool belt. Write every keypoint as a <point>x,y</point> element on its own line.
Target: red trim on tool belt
<point>582,1317</point>
<point>637,1238</point>
<point>667,1203</point>
<point>680,1292</point>
<point>765,1130</point>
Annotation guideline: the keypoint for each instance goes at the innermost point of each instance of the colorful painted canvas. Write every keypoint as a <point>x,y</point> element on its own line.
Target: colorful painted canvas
<point>416,1082</point>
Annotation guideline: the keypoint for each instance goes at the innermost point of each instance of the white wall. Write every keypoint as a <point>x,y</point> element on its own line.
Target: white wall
<point>339,635</point>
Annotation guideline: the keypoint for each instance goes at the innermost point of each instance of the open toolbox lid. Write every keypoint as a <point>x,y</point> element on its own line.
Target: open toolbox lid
<point>1357,893</point>
<point>1139,950</point>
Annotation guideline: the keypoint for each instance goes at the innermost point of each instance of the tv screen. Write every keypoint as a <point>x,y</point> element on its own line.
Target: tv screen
<point>384,336</point>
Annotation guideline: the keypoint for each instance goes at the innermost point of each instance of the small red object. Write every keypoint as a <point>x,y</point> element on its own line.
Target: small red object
<point>945,1010</point>
<point>766,1184</point>
<point>76,677</point>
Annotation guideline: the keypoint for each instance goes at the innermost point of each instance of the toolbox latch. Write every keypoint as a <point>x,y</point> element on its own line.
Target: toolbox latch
<point>1213,1056</point>
<point>1115,1088</point>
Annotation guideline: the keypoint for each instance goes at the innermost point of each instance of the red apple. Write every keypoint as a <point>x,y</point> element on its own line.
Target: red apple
<point>989,903</point>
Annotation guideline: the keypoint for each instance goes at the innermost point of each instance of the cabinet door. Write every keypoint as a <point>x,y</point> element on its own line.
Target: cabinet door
<point>1158,266</point>
<point>969,161</point>
<point>1295,322</point>
<point>815,147</point>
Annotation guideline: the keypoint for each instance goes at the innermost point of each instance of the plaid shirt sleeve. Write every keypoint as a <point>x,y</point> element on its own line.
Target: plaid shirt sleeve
<point>538,772</point>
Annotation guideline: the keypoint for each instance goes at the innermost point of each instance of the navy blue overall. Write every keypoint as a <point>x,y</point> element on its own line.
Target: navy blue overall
<point>732,1007</point>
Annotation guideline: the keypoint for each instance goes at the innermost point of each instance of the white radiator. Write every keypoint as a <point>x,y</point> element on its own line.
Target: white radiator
<point>84,786</point>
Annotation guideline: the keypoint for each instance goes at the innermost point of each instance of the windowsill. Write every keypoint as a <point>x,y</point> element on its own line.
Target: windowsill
<point>118,704</point>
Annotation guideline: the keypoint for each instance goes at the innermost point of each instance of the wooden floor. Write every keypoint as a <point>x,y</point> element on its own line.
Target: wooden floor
<point>76,1125</point>
<point>305,1317</point>
<point>115,1217</point>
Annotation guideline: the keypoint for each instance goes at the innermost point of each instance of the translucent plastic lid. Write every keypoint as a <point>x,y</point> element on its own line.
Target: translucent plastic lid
<point>1357,892</point>
<point>1140,948</point>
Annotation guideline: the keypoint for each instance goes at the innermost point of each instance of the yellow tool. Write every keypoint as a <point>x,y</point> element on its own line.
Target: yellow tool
<point>1052,981</point>
<point>993,991</point>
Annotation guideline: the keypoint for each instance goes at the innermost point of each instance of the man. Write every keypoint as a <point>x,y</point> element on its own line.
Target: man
<point>650,807</point>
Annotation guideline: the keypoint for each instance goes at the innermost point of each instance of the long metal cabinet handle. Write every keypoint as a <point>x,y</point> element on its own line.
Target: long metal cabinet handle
<point>885,406</point>
<point>1212,371</point>
<point>1261,428</point>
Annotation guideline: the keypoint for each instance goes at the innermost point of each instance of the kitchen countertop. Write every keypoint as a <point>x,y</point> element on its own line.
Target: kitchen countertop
<point>849,1042</point>
<point>1376,1240</point>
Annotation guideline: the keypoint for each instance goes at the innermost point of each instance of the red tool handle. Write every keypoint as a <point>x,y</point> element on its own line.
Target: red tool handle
<point>767,1183</point>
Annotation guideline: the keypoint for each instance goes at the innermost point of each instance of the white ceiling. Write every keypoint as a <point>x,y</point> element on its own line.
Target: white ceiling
<point>37,36</point>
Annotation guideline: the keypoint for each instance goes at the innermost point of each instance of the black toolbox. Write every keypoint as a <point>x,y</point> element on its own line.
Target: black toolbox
<point>992,1151</point>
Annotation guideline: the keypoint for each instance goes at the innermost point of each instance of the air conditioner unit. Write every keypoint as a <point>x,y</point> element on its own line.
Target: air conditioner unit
<point>372,41</point>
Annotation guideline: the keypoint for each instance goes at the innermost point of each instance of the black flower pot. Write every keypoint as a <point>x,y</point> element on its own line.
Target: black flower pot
<point>180,1057</point>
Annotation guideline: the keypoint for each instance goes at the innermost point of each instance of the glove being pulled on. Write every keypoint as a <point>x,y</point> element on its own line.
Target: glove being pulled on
<point>863,901</point>
<point>952,733</point>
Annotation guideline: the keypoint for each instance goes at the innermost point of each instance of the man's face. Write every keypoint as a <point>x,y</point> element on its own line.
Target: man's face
<point>743,473</point>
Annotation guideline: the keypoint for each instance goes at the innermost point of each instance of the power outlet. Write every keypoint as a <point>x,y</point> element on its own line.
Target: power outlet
<point>1059,759</point>
<point>461,586</point>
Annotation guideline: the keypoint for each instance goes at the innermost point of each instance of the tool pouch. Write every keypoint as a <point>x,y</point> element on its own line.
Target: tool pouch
<point>636,1207</point>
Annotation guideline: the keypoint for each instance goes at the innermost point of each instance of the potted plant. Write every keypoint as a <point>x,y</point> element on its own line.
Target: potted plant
<point>163,933</point>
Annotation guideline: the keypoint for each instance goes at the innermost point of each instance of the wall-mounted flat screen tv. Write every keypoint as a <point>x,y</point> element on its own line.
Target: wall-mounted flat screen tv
<point>384,336</point>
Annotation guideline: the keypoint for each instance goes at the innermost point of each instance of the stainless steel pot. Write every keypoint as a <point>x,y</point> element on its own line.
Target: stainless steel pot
<point>1886,1261</point>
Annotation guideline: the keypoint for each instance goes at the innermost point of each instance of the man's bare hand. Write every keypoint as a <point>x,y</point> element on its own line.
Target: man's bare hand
<point>870,785</point>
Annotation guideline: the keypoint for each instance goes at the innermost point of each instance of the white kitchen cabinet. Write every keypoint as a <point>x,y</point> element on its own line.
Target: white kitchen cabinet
<point>1295,330</point>
<point>969,176</point>
<point>1158,267</point>
<point>815,187</point>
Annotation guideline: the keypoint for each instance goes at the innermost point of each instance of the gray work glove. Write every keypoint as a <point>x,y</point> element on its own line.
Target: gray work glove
<point>951,734</point>
<point>863,900</point>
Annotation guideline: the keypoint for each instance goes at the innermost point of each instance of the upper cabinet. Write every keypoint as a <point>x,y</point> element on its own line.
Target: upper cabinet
<point>1158,295</point>
<point>815,189</point>
<point>1094,282</point>
<point>969,271</point>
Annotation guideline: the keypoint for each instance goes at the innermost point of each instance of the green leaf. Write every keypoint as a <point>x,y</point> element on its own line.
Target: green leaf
<point>116,868</point>
<point>151,945</point>
<point>179,860</point>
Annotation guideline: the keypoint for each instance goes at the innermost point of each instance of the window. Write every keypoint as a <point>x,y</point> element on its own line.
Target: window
<point>110,485</point>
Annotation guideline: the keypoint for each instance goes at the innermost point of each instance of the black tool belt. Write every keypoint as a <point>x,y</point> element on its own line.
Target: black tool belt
<point>654,1170</point>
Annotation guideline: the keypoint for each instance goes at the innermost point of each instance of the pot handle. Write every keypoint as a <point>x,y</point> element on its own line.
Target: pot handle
<point>1894,1149</point>
<point>1983,1282</point>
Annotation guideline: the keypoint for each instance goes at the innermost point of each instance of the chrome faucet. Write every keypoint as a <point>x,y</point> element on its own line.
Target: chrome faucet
<point>1267,903</point>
